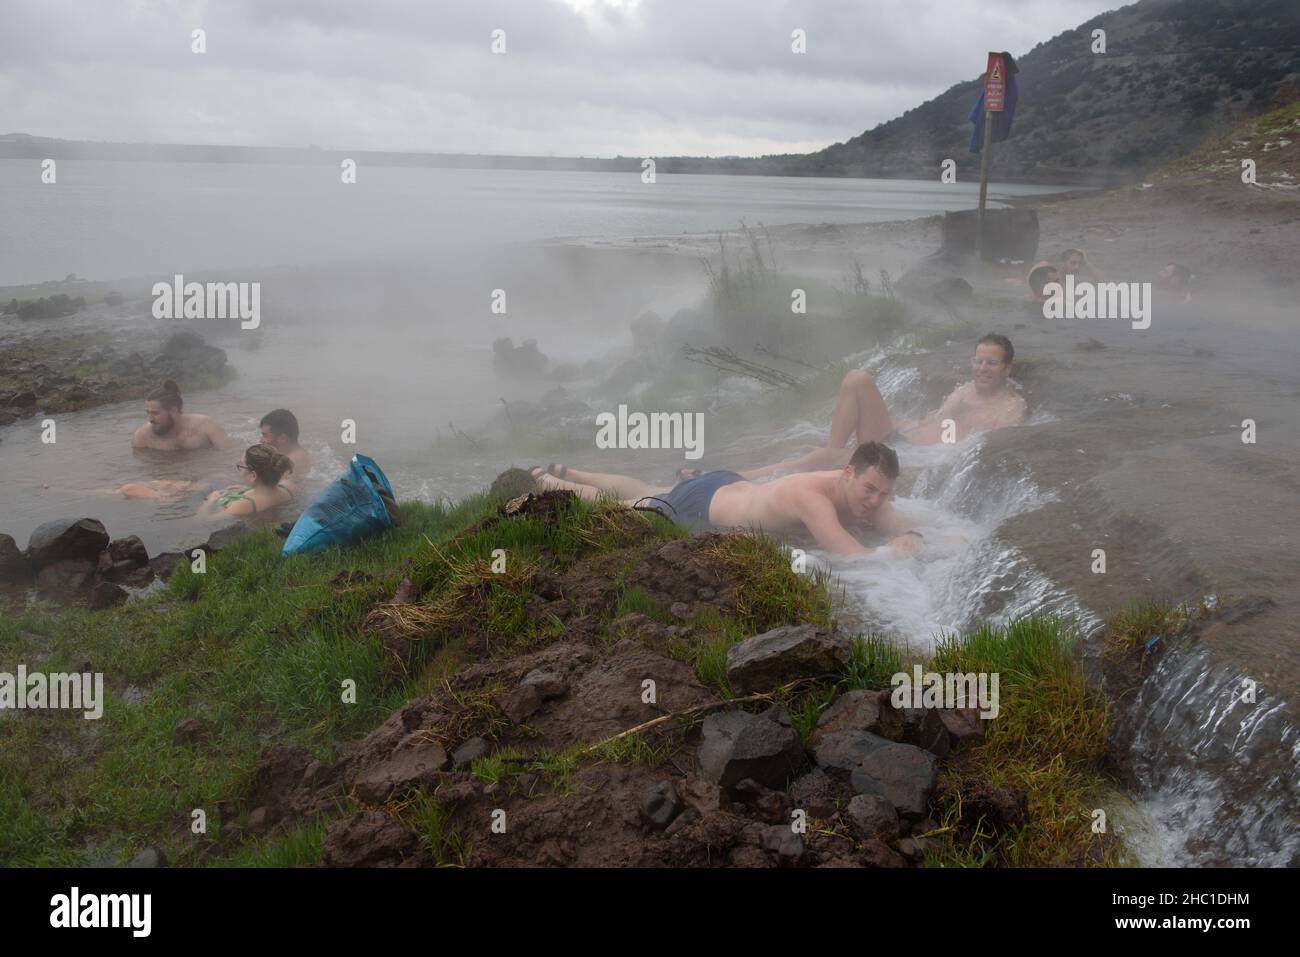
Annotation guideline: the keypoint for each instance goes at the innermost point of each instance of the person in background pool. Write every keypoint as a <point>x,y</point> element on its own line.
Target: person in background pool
<point>1074,262</point>
<point>1176,278</point>
<point>1040,276</point>
<point>280,431</point>
<point>170,430</point>
<point>263,467</point>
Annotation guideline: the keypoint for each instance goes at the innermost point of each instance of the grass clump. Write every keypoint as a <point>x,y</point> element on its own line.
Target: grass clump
<point>1049,739</point>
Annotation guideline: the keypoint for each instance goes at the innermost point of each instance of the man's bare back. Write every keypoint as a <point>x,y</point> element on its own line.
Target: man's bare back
<point>819,502</point>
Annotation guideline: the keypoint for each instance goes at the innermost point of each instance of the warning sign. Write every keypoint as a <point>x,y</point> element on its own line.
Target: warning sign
<point>995,84</point>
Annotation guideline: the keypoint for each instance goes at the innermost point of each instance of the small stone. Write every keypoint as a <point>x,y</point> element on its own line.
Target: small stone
<point>107,595</point>
<point>661,805</point>
<point>924,728</point>
<point>703,796</point>
<point>846,749</point>
<point>903,774</point>
<point>736,745</point>
<point>189,731</point>
<point>860,711</point>
<point>470,751</point>
<point>683,821</point>
<point>548,683</point>
<point>963,724</point>
<point>791,651</point>
<point>521,703</point>
<point>149,857</point>
<point>780,840</point>
<point>257,820</point>
<point>772,807</point>
<point>872,816</point>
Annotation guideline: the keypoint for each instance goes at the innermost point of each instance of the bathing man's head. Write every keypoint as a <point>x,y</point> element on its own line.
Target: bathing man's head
<point>991,364</point>
<point>868,479</point>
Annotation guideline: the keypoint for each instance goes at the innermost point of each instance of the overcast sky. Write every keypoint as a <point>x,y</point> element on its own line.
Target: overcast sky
<point>579,77</point>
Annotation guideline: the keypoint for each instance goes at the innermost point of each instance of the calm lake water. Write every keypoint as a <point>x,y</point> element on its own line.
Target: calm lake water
<point>105,220</point>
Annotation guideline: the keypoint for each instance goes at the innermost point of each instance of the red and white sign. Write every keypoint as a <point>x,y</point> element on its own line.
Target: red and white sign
<point>995,84</point>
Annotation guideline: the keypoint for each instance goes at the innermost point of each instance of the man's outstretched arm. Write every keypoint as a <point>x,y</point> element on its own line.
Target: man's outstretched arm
<point>819,517</point>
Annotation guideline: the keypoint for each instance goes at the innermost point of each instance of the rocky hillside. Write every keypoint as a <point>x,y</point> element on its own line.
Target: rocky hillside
<point>1174,73</point>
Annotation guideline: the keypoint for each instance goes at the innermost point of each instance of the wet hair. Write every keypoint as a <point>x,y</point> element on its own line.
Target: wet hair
<point>878,454</point>
<point>1071,251</point>
<point>993,339</point>
<point>1038,277</point>
<point>267,464</point>
<point>1181,272</point>
<point>169,394</point>
<point>282,422</point>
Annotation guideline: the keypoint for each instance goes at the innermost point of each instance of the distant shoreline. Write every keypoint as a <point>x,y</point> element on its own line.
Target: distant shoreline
<point>23,147</point>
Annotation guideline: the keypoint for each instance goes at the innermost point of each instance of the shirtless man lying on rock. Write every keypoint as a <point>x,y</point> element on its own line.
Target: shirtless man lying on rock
<point>823,503</point>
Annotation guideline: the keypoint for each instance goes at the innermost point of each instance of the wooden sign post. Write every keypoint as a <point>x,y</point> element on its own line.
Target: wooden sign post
<point>995,92</point>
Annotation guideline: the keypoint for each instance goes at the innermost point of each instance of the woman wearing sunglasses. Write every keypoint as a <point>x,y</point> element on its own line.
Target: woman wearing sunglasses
<point>263,467</point>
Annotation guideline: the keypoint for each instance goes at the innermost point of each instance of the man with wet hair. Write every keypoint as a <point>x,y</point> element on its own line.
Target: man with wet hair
<point>170,430</point>
<point>985,403</point>
<point>1075,262</point>
<point>280,431</point>
<point>822,503</point>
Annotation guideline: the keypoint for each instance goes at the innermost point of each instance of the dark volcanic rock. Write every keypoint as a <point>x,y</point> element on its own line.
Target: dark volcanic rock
<point>784,843</point>
<point>549,684</point>
<point>963,724</point>
<point>129,550</point>
<point>661,805</point>
<point>873,816</point>
<point>860,711</point>
<point>782,654</point>
<point>924,728</point>
<point>470,751</point>
<point>67,538</point>
<point>164,563</point>
<point>225,537</point>
<point>14,569</point>
<point>901,773</point>
<point>846,749</point>
<point>67,581</point>
<point>107,595</point>
<point>738,745</point>
<point>818,794</point>
<point>521,703</point>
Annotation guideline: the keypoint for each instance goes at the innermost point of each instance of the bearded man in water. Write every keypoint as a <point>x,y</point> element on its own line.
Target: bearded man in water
<point>170,430</point>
